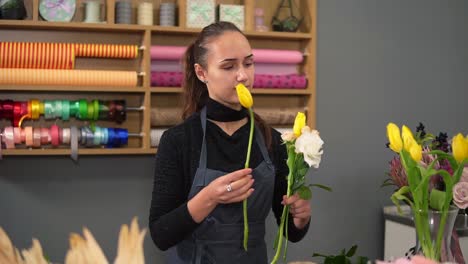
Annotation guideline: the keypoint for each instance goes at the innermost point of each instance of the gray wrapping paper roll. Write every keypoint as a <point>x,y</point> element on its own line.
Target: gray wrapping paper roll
<point>279,116</point>
<point>164,117</point>
<point>155,136</point>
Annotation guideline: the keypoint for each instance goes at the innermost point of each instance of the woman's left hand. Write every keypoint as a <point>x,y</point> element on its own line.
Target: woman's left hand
<point>299,209</point>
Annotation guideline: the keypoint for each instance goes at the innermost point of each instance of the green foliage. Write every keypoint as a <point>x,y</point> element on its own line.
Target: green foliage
<point>345,257</point>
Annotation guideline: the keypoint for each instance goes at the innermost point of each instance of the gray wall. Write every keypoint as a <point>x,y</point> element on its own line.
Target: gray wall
<point>378,61</point>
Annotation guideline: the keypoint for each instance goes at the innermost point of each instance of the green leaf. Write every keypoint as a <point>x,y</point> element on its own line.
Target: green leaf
<point>362,260</point>
<point>436,199</point>
<point>321,186</point>
<point>319,255</point>
<point>400,196</point>
<point>387,182</point>
<point>351,251</point>
<point>304,192</point>
<point>329,260</point>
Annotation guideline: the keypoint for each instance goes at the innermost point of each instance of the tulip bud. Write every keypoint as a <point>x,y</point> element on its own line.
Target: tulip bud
<point>245,98</point>
<point>299,123</point>
<point>393,135</point>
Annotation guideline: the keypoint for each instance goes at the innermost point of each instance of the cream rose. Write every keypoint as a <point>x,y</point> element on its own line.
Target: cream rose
<point>460,195</point>
<point>288,136</point>
<point>310,144</point>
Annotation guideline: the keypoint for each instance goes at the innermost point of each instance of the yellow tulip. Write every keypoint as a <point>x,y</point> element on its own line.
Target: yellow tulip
<point>408,138</point>
<point>299,123</point>
<point>393,135</point>
<point>459,147</point>
<point>416,152</point>
<point>245,98</point>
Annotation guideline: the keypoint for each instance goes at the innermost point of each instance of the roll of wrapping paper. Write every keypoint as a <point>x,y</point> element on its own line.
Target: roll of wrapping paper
<point>164,117</point>
<point>155,136</point>
<point>278,116</point>
<point>68,77</point>
<point>37,55</point>
<point>291,81</point>
<point>106,51</point>
<point>260,55</point>
<point>168,79</point>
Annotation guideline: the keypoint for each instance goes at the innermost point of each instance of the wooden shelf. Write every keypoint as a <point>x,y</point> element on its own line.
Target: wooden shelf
<point>284,91</point>
<point>72,89</point>
<point>82,151</point>
<point>34,29</point>
<point>80,26</point>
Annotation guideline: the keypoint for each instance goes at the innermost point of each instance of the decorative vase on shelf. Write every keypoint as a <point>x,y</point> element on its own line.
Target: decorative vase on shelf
<point>428,224</point>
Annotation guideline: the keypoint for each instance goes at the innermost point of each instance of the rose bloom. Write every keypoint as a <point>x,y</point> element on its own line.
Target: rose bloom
<point>310,144</point>
<point>288,136</point>
<point>460,194</point>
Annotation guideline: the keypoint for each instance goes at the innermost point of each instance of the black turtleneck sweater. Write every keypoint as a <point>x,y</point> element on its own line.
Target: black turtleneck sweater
<point>177,161</point>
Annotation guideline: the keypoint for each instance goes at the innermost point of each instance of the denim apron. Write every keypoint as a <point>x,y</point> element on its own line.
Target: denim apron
<point>219,237</point>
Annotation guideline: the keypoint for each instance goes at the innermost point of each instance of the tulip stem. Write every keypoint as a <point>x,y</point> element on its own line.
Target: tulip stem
<point>247,161</point>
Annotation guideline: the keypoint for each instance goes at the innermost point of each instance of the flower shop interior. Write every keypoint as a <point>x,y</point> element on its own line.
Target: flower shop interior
<point>371,62</point>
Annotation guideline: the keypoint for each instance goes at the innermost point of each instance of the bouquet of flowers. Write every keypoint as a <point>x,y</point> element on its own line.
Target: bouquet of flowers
<point>427,174</point>
<point>304,148</point>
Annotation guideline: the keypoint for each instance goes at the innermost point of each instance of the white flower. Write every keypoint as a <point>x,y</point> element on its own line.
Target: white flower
<point>288,136</point>
<point>310,144</point>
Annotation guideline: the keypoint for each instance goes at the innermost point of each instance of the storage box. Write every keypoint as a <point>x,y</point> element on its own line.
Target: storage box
<point>232,13</point>
<point>200,13</point>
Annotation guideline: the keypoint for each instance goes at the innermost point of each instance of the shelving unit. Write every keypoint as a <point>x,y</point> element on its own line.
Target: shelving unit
<point>34,29</point>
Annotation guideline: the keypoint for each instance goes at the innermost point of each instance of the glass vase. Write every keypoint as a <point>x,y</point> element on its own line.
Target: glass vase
<point>428,224</point>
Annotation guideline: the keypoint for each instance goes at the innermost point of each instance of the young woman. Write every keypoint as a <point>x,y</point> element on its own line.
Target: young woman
<point>199,180</point>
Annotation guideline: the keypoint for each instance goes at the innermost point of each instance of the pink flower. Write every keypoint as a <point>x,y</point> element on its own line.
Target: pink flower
<point>460,194</point>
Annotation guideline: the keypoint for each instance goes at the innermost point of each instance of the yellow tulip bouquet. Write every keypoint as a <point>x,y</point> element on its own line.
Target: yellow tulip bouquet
<point>421,162</point>
<point>305,148</point>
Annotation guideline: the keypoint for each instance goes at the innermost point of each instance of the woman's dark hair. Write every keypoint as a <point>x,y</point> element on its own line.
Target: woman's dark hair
<point>195,92</point>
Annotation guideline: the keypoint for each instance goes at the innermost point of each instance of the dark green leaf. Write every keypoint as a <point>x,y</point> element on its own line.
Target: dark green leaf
<point>362,260</point>
<point>321,186</point>
<point>319,255</point>
<point>351,251</point>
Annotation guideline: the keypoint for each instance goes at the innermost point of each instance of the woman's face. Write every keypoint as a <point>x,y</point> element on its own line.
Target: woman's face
<point>229,62</point>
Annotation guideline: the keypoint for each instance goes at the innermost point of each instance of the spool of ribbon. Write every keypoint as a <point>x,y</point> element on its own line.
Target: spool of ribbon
<point>145,13</point>
<point>37,55</point>
<point>68,77</point>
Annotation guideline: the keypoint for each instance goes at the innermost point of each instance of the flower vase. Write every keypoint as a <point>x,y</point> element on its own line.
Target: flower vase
<point>427,224</point>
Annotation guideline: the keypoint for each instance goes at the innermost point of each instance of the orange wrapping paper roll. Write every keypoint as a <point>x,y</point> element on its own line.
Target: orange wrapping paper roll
<point>68,77</point>
<point>37,55</point>
<point>106,51</point>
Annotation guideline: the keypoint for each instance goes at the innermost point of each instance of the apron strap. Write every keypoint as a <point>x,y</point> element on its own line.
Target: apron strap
<point>203,156</point>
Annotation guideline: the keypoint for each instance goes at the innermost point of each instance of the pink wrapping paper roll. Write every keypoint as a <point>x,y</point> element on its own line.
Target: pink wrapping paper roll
<point>293,81</point>
<point>275,68</point>
<point>166,66</point>
<point>68,77</point>
<point>277,56</point>
<point>37,55</point>
<point>167,79</point>
<point>260,55</point>
<point>167,52</point>
<point>106,51</point>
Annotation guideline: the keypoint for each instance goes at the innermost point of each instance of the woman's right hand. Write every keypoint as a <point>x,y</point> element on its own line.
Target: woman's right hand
<point>238,182</point>
<point>218,192</point>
